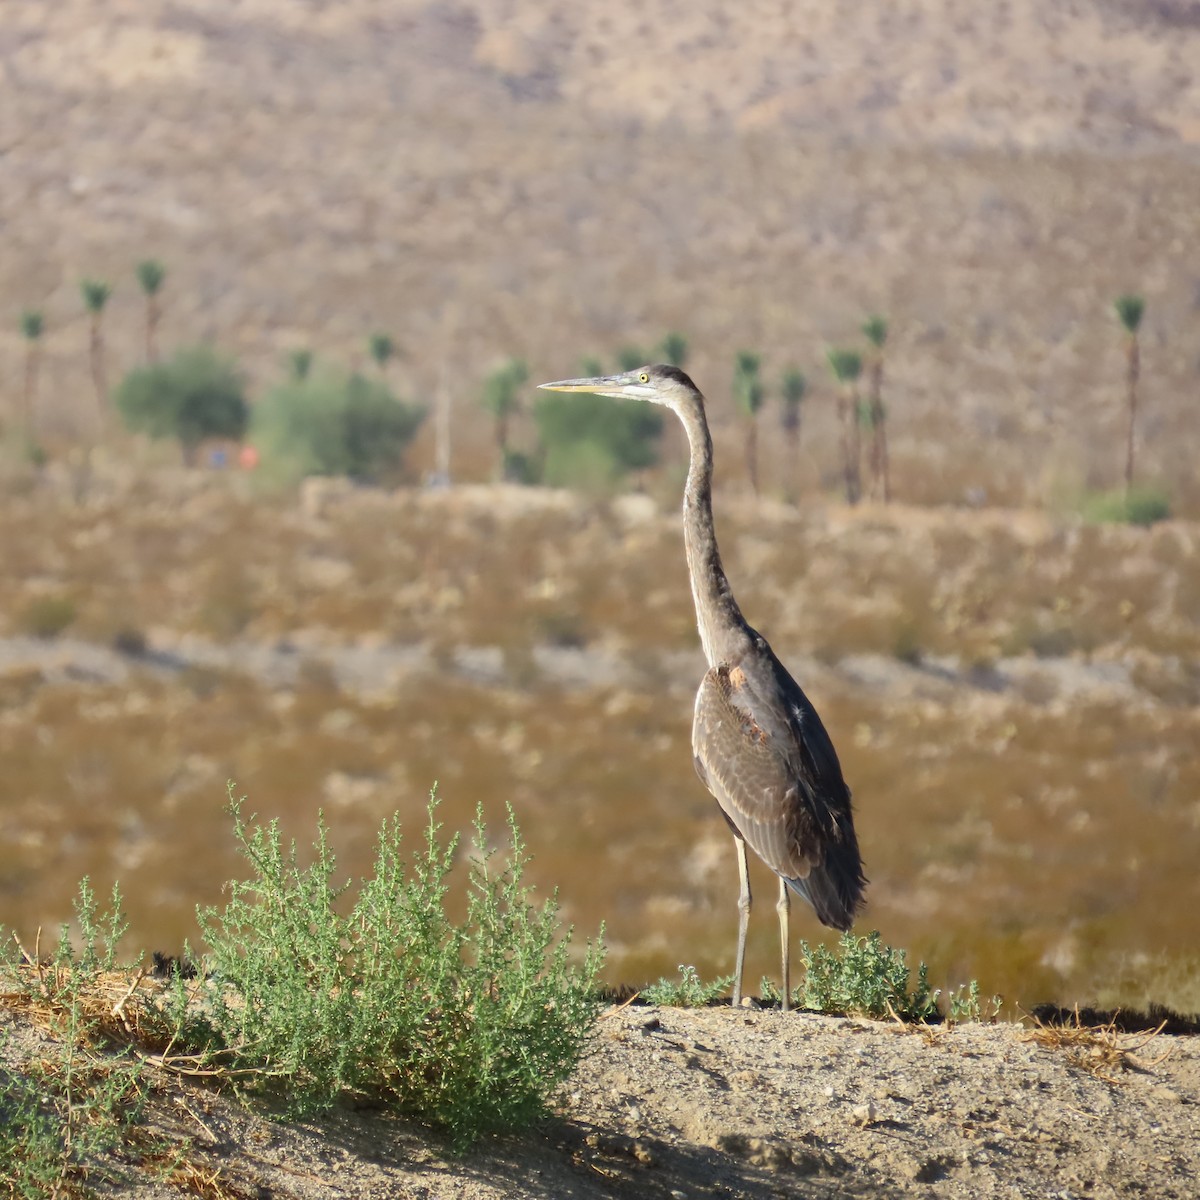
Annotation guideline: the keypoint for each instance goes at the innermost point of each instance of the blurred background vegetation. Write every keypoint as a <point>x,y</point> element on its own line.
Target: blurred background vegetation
<point>280,501</point>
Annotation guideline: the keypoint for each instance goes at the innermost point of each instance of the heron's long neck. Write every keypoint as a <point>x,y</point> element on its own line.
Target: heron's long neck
<point>723,630</point>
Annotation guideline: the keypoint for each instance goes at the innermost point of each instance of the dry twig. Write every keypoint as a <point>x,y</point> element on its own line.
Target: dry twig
<point>1097,1049</point>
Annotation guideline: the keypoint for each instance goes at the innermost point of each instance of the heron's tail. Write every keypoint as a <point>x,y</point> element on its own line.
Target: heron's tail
<point>834,888</point>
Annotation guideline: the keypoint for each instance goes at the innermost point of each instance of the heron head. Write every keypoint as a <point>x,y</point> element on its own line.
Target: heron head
<point>659,384</point>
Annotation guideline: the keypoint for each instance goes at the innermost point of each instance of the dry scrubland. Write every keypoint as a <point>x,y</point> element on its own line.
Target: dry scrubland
<point>1015,699</point>
<point>1015,694</point>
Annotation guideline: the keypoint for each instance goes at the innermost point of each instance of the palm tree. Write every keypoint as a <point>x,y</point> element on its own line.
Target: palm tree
<point>501,397</point>
<point>1130,309</point>
<point>846,366</point>
<point>674,348</point>
<point>382,348</point>
<point>150,274</point>
<point>876,331</point>
<point>300,364</point>
<point>749,393</point>
<point>95,297</point>
<point>629,358</point>
<point>32,326</point>
<point>793,387</point>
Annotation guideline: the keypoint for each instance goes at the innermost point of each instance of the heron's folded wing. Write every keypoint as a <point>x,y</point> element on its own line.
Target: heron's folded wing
<point>746,757</point>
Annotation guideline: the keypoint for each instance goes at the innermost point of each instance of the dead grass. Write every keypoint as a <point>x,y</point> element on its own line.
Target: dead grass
<point>1101,1050</point>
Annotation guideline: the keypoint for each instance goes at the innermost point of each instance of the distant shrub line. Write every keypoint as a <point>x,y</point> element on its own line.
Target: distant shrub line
<point>339,423</point>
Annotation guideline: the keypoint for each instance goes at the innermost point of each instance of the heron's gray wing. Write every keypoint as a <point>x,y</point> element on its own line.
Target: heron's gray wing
<point>749,759</point>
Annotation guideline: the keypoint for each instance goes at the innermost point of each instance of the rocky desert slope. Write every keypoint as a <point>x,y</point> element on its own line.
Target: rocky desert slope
<point>487,179</point>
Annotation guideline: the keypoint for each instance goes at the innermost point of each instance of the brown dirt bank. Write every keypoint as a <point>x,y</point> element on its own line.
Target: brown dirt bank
<point>715,1103</point>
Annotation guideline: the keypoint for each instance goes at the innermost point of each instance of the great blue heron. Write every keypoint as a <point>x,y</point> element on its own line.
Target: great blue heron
<point>758,744</point>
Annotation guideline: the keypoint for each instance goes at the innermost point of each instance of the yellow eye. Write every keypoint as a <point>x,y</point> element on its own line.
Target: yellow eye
<point>644,377</point>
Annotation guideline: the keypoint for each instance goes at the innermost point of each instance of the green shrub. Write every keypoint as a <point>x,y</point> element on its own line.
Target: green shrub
<point>29,1138</point>
<point>966,1003</point>
<point>1138,506</point>
<point>868,978</point>
<point>470,1027</point>
<point>596,438</point>
<point>336,425</point>
<point>70,1105</point>
<point>690,992</point>
<point>197,395</point>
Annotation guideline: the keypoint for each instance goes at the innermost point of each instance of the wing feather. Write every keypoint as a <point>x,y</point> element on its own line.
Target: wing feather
<point>761,750</point>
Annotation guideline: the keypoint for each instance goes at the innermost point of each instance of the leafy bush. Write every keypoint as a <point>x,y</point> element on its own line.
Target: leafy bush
<point>471,1027</point>
<point>1138,506</point>
<point>593,440</point>
<point>868,978</point>
<point>71,1106</point>
<point>690,992</point>
<point>197,395</point>
<point>336,425</point>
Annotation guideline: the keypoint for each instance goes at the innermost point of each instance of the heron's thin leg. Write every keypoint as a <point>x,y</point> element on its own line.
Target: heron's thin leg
<point>744,901</point>
<point>784,909</point>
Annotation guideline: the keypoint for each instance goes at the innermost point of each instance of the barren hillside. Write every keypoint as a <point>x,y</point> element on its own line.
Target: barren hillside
<point>487,179</point>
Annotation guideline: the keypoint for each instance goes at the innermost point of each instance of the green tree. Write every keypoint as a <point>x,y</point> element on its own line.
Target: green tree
<point>95,294</point>
<point>846,366</point>
<point>336,425</point>
<point>590,367</point>
<point>1130,309</point>
<point>674,349</point>
<point>195,396</point>
<point>382,348</point>
<point>592,441</point>
<point>151,274</point>
<point>300,364</point>
<point>629,358</point>
<point>875,329</point>
<point>32,326</point>
<point>749,393</point>
<point>502,398</point>
<point>793,387</point>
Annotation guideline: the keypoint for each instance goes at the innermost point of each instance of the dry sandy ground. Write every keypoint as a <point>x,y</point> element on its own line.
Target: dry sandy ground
<point>713,1103</point>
